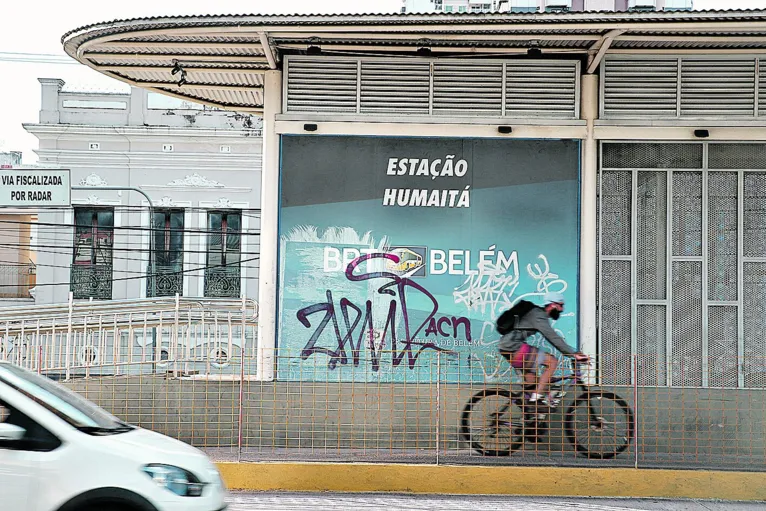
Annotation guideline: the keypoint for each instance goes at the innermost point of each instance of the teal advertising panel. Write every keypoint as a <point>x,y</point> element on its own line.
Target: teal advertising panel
<point>393,250</point>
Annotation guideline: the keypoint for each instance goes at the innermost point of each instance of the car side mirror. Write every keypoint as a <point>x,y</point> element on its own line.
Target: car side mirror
<point>11,433</point>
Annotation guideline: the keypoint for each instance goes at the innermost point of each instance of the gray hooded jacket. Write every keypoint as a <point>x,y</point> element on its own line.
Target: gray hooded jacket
<point>536,320</point>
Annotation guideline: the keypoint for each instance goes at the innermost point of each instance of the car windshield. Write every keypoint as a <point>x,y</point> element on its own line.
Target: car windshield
<point>66,404</point>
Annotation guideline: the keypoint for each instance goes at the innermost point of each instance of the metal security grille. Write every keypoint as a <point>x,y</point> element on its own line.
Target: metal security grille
<point>682,264</point>
<point>432,87</point>
<point>647,86</point>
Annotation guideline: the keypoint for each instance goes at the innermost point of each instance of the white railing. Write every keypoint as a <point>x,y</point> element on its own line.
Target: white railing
<point>181,336</point>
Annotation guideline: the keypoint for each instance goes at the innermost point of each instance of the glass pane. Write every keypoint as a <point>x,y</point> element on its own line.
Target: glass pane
<point>234,236</point>
<point>83,242</point>
<point>105,218</point>
<point>176,241</point>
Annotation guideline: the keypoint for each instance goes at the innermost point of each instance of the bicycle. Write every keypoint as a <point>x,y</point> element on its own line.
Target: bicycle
<point>530,425</point>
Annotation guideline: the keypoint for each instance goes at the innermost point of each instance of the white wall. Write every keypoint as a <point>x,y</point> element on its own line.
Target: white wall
<point>196,174</point>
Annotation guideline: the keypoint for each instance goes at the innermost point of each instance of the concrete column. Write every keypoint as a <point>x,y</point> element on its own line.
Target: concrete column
<point>267,276</point>
<point>588,222</point>
<point>49,103</point>
<point>137,106</point>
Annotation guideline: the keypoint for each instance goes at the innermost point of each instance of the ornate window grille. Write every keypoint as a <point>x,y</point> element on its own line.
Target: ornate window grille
<point>92,259</point>
<point>168,232</point>
<point>224,251</point>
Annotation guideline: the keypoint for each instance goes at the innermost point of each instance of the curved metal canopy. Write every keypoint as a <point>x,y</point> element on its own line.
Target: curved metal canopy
<point>220,60</point>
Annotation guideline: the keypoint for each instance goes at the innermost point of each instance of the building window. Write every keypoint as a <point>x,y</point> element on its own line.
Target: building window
<point>224,250</point>
<point>448,8</point>
<point>166,279</point>
<point>92,260</point>
<point>462,8</point>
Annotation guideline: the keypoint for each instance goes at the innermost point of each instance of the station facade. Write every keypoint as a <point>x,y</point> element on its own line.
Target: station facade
<point>421,173</point>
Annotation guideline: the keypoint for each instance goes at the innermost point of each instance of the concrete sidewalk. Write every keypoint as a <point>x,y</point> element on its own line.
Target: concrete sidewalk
<point>240,501</point>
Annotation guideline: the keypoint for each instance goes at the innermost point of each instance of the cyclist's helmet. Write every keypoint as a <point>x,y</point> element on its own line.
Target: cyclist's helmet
<point>552,297</point>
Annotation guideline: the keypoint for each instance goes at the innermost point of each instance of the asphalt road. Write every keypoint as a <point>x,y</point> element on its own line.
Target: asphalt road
<point>347,502</point>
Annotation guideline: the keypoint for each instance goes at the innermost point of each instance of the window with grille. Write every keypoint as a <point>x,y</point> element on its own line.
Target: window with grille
<point>682,264</point>
<point>166,277</point>
<point>92,274</point>
<point>224,254</point>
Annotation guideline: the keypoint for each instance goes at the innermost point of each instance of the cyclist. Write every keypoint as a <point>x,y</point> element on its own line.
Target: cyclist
<point>514,348</point>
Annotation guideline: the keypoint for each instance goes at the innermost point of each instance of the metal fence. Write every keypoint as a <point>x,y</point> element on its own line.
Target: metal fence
<point>179,367</point>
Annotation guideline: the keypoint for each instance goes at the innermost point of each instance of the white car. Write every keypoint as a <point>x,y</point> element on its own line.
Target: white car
<point>60,452</point>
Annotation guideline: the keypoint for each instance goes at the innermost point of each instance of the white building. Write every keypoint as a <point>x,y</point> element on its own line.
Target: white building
<point>199,166</point>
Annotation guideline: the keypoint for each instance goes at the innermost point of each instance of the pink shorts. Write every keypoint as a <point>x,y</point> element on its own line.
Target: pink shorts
<point>525,353</point>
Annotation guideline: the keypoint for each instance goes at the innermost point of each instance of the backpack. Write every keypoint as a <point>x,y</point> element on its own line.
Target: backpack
<point>510,318</point>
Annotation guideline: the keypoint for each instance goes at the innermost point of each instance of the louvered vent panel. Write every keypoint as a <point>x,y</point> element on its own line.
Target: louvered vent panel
<point>395,86</point>
<point>640,87</point>
<point>716,88</point>
<point>762,88</point>
<point>468,88</point>
<point>321,85</point>
<point>541,89</point>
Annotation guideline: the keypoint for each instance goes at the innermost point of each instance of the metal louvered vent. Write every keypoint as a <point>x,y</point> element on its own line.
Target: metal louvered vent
<point>395,87</point>
<point>761,87</point>
<point>717,87</point>
<point>370,86</point>
<point>640,87</point>
<point>643,86</point>
<point>541,89</point>
<point>468,88</point>
<point>321,85</point>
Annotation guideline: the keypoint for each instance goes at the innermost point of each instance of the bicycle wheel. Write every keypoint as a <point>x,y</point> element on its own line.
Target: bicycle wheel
<point>492,422</point>
<point>599,424</point>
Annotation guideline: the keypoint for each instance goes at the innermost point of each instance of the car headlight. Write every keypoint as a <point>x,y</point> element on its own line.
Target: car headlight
<point>179,481</point>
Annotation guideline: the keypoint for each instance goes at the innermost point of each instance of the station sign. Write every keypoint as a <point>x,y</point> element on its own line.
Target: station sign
<point>37,188</point>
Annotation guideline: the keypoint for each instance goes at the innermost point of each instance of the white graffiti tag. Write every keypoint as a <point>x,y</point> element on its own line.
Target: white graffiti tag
<point>492,290</point>
<point>489,289</point>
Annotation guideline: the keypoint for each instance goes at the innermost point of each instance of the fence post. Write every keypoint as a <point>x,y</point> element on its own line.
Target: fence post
<point>241,381</point>
<point>68,362</point>
<point>635,407</point>
<point>176,348</point>
<point>438,403</point>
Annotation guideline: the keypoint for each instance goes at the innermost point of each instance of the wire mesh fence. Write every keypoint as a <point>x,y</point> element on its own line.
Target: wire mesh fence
<point>190,369</point>
<point>428,415</point>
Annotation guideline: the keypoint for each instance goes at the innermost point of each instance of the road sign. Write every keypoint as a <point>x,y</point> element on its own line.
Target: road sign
<point>38,188</point>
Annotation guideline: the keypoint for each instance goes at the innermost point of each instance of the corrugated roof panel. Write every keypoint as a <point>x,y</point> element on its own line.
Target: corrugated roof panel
<point>234,50</point>
<point>195,76</point>
<point>229,99</point>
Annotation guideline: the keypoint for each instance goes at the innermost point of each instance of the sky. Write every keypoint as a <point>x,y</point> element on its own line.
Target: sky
<point>35,27</point>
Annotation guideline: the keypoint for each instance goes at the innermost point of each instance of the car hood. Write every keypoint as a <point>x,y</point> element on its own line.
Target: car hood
<point>146,447</point>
